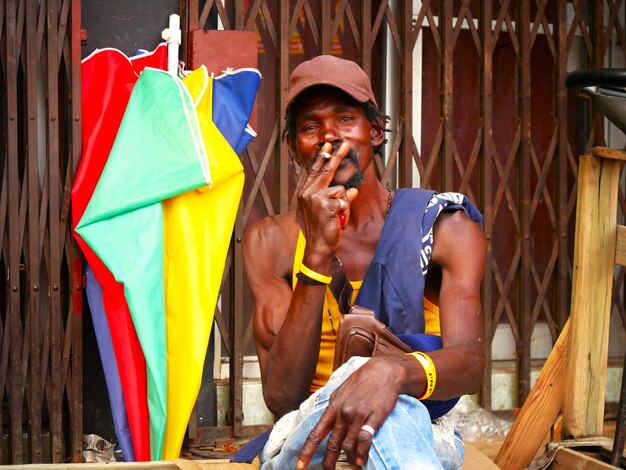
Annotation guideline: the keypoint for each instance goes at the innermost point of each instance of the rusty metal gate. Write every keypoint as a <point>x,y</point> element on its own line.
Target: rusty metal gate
<point>40,302</point>
<point>492,119</point>
<point>476,92</point>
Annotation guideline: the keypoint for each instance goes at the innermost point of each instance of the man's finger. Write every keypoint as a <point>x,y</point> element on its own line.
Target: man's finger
<point>351,193</point>
<point>333,446</point>
<point>349,443</point>
<point>363,443</point>
<point>323,170</point>
<point>322,157</point>
<point>342,204</point>
<point>316,166</point>
<point>315,438</point>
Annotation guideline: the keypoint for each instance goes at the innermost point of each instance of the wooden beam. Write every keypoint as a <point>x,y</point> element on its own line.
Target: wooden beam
<point>539,411</point>
<point>613,154</point>
<point>594,259</point>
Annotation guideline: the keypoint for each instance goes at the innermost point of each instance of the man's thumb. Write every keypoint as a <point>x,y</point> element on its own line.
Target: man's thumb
<point>351,194</point>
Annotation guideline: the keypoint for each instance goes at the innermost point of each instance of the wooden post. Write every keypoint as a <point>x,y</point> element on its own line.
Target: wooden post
<point>594,258</point>
<point>539,411</point>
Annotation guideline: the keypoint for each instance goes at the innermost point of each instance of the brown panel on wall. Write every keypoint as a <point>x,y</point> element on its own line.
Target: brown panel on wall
<point>219,50</point>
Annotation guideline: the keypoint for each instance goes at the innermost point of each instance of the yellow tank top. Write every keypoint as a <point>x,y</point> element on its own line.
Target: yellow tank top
<point>332,318</point>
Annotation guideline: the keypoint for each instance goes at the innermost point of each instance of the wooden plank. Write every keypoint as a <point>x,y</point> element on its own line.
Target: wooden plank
<point>620,245</point>
<point>539,411</point>
<point>613,154</point>
<point>207,436</point>
<point>208,464</point>
<point>476,460</point>
<point>569,459</point>
<point>594,256</point>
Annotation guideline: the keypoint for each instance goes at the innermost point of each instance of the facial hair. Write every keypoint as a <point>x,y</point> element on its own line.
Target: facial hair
<point>356,180</point>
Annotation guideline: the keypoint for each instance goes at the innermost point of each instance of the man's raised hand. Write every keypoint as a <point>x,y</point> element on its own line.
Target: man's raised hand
<point>324,210</point>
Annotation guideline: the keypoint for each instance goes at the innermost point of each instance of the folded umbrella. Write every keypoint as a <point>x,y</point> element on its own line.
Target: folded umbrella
<point>158,153</point>
<point>108,77</point>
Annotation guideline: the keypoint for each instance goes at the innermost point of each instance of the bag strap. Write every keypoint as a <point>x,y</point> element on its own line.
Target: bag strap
<point>340,287</point>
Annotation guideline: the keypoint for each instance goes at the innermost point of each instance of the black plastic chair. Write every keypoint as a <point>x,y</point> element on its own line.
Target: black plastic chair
<point>607,89</point>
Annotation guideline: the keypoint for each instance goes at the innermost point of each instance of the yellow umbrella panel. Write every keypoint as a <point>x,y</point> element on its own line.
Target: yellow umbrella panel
<point>197,230</point>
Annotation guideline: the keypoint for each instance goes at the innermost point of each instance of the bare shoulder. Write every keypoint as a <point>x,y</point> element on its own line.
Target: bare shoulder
<point>271,242</point>
<point>458,240</point>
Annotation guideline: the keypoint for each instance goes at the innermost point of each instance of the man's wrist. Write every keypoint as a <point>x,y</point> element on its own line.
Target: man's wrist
<point>312,278</point>
<point>430,372</point>
<point>413,380</point>
<point>320,262</point>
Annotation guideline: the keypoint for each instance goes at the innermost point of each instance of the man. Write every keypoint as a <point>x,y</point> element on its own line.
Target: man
<point>333,130</point>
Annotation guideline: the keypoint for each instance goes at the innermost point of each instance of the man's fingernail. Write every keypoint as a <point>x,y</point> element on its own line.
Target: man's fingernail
<point>300,465</point>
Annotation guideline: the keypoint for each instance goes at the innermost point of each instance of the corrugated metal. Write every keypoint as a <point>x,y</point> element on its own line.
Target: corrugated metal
<point>41,358</point>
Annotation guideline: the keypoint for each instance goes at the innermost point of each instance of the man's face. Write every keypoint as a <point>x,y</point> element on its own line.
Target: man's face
<point>327,114</point>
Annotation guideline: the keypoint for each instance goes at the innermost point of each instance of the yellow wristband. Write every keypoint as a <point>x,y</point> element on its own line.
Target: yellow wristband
<point>431,373</point>
<point>316,276</point>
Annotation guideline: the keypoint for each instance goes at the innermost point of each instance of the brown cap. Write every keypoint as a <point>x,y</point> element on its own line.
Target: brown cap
<point>333,71</point>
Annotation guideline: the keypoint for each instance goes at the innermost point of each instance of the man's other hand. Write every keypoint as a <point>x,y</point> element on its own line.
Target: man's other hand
<point>366,398</point>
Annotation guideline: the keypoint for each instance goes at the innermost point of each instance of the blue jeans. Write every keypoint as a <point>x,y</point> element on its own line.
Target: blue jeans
<point>405,440</point>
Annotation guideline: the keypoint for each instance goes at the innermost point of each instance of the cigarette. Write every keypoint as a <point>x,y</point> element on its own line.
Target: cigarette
<point>325,155</point>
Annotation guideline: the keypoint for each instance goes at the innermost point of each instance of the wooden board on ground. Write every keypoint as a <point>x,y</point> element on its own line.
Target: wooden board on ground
<point>178,464</point>
<point>489,448</point>
<point>570,459</point>
<point>476,460</point>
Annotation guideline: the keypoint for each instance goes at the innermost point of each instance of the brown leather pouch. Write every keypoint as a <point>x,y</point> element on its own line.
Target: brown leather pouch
<point>362,334</point>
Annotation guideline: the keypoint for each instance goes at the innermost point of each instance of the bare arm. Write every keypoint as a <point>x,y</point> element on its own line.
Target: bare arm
<point>287,324</point>
<point>459,249</point>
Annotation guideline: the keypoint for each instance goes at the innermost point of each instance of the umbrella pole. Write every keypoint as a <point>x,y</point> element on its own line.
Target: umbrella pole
<point>173,44</point>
